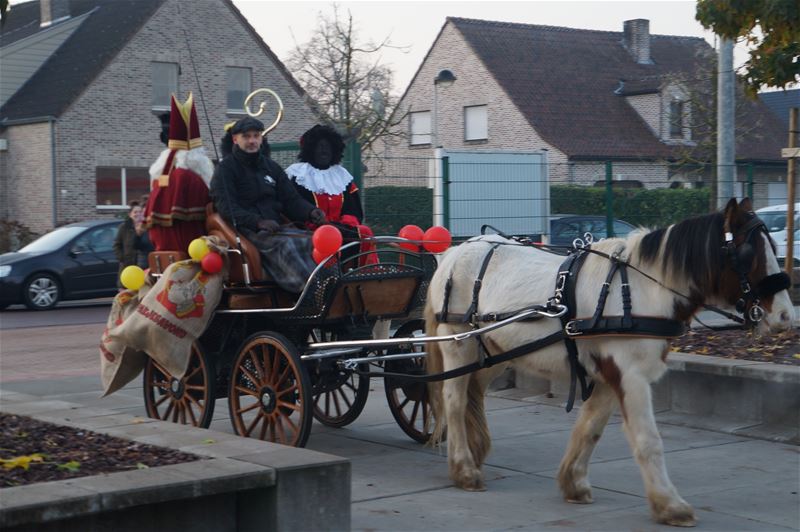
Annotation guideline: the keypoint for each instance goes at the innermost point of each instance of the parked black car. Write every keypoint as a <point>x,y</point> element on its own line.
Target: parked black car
<point>564,229</point>
<point>75,261</point>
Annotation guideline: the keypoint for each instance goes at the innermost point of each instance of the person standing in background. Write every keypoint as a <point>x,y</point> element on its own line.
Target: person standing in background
<point>128,242</point>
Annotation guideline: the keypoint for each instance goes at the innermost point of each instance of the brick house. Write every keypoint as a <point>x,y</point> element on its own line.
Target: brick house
<point>85,80</point>
<point>638,100</point>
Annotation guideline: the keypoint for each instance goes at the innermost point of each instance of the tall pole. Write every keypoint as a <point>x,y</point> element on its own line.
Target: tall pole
<point>435,117</point>
<point>790,192</point>
<point>726,143</point>
<point>438,189</point>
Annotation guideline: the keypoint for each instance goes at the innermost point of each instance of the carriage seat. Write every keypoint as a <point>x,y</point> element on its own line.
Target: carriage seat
<point>217,226</point>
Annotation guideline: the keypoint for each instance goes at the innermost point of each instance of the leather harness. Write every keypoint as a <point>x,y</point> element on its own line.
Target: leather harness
<point>572,328</point>
<point>598,325</point>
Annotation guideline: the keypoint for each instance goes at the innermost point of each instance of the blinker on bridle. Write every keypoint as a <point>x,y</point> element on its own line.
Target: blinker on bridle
<point>741,258</point>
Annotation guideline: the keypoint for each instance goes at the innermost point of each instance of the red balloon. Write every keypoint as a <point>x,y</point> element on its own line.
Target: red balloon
<point>410,232</point>
<point>211,262</point>
<point>317,256</point>
<point>436,239</point>
<point>327,239</point>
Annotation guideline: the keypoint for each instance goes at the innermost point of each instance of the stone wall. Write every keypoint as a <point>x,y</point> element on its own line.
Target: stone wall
<point>26,176</point>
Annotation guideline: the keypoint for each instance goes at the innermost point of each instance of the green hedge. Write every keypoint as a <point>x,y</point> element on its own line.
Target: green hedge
<point>387,209</point>
<point>649,208</point>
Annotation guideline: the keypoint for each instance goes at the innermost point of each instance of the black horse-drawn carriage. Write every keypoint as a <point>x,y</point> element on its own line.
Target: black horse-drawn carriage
<point>256,350</point>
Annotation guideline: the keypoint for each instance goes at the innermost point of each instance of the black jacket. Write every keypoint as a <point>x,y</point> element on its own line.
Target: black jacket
<point>248,188</point>
<point>126,243</point>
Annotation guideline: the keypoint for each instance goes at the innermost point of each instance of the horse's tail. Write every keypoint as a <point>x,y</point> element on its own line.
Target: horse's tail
<point>434,364</point>
<point>478,436</point>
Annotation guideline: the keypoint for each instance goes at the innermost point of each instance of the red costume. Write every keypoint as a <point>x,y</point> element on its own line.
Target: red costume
<point>334,191</point>
<point>176,209</point>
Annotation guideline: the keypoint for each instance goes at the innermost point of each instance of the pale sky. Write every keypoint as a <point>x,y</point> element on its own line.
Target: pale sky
<point>416,24</point>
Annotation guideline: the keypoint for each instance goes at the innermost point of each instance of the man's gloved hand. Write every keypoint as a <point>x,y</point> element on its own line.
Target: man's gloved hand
<point>268,226</point>
<point>317,217</point>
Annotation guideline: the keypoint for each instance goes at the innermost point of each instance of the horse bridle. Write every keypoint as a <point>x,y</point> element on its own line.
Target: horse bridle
<point>741,258</point>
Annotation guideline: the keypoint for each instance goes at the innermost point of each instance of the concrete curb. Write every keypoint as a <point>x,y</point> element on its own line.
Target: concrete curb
<point>755,399</point>
<point>243,484</point>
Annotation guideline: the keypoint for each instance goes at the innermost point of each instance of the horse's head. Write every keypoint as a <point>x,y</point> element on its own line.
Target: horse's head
<point>751,278</point>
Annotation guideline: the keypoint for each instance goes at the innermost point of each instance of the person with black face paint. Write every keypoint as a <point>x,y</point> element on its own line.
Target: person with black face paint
<point>320,178</point>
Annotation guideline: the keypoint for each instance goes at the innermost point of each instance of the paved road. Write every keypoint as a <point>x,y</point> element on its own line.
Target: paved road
<point>734,482</point>
<point>67,313</point>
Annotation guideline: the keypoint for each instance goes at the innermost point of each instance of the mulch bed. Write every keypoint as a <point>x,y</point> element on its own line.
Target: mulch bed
<point>782,348</point>
<point>34,451</point>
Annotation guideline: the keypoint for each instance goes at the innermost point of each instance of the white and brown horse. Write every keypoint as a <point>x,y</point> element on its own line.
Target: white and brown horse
<point>689,258</point>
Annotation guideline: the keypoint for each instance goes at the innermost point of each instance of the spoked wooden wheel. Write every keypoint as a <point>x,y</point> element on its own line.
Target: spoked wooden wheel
<point>188,400</point>
<point>408,400</point>
<point>339,395</point>
<point>270,393</point>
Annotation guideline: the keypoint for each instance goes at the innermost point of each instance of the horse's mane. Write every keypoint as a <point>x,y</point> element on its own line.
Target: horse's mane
<point>691,248</point>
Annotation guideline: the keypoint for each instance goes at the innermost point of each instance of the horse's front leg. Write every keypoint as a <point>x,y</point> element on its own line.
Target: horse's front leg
<point>592,419</point>
<point>639,423</point>
<point>464,472</point>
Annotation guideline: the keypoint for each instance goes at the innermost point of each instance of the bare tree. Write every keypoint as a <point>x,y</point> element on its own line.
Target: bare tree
<point>345,78</point>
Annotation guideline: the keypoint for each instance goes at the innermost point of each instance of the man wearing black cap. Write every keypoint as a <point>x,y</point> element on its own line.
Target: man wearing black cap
<point>253,192</point>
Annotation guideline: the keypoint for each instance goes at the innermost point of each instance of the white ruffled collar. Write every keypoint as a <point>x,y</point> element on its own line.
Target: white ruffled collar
<point>333,180</point>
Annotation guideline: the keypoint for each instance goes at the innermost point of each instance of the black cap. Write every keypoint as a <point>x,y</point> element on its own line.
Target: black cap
<point>247,123</point>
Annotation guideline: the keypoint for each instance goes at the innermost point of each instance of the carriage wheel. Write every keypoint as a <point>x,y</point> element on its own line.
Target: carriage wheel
<point>188,400</point>
<point>408,400</point>
<point>339,395</point>
<point>269,396</point>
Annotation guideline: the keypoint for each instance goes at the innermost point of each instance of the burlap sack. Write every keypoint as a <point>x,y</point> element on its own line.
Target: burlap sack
<point>174,313</point>
<point>119,364</point>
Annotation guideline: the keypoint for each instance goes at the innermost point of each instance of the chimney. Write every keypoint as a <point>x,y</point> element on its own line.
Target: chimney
<point>53,11</point>
<point>636,39</point>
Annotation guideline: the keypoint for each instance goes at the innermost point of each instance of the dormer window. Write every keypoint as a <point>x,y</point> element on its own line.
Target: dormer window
<point>676,119</point>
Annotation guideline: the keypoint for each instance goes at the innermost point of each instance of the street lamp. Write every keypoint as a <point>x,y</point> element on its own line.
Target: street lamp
<point>445,78</point>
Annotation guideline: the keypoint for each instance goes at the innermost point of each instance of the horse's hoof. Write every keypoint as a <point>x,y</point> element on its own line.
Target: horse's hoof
<point>680,515</point>
<point>579,496</point>
<point>474,483</point>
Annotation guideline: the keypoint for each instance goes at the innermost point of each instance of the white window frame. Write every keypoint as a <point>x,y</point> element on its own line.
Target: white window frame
<point>476,122</point>
<point>247,90</point>
<point>681,105</point>
<point>123,183</point>
<point>163,84</point>
<point>417,135</point>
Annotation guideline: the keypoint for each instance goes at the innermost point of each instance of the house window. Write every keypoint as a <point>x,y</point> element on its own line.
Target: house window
<point>116,187</point>
<point>676,119</point>
<point>476,123</point>
<point>239,86</point>
<point>420,124</point>
<point>165,82</point>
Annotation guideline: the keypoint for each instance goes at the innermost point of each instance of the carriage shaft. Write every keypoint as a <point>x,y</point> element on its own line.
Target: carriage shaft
<point>388,342</point>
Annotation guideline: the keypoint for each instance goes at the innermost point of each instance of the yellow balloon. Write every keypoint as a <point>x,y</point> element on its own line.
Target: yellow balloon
<point>132,277</point>
<point>198,249</point>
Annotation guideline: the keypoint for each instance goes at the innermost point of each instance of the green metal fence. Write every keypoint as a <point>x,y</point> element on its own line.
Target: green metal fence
<point>398,191</point>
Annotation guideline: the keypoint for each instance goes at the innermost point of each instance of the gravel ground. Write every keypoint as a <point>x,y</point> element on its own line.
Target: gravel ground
<point>35,451</point>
